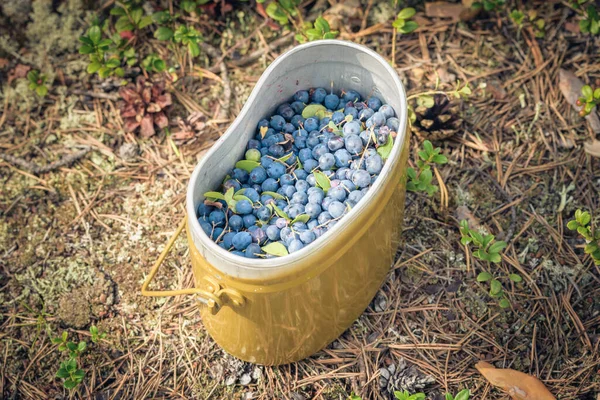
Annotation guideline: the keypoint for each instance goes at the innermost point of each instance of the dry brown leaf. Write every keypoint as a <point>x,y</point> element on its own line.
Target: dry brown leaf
<point>20,71</point>
<point>518,385</point>
<point>570,86</point>
<point>463,213</point>
<point>593,149</point>
<point>3,63</point>
<point>444,9</point>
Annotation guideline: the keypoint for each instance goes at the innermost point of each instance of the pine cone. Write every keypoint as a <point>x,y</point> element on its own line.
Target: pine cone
<point>438,122</point>
<point>402,376</point>
<point>190,127</point>
<point>143,106</point>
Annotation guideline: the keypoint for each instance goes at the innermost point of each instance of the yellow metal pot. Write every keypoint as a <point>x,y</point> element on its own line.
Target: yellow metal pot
<point>280,310</point>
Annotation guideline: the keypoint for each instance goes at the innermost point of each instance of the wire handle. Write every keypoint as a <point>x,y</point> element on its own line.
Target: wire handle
<point>211,298</point>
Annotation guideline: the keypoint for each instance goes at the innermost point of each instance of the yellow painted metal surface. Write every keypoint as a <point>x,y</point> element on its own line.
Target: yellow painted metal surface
<point>293,316</point>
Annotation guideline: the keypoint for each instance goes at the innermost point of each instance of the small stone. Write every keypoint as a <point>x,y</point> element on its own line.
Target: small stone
<point>245,379</point>
<point>128,151</point>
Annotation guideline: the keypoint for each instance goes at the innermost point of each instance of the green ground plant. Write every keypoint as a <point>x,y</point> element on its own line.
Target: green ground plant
<point>37,82</point>
<point>489,250</point>
<point>489,5</point>
<point>464,394</point>
<point>404,395</point>
<point>589,100</point>
<point>320,29</point>
<point>582,224</point>
<point>419,179</point>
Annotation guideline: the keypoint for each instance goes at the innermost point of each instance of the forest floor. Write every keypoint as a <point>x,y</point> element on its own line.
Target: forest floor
<point>77,242</point>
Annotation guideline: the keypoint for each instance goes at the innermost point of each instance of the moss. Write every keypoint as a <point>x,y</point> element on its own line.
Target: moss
<point>17,11</point>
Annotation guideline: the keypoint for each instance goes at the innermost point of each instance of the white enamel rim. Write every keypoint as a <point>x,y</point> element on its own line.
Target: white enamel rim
<point>279,262</point>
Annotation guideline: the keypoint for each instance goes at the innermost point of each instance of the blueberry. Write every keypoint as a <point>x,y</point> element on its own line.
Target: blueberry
<point>355,196</point>
<point>275,170</point>
<point>393,123</point>
<point>243,207</point>
<point>204,210</point>
<point>326,202</point>
<point>253,144</point>
<point>252,194</point>
<point>241,240</point>
<point>302,186</point>
<point>342,158</point>
<point>374,103</point>
<point>236,222</point>
<point>264,150</point>
<point>288,191</point>
<point>373,178</point>
<point>311,124</point>
<point>312,224</point>
<point>305,154</point>
<point>309,165</point>
<point>374,164</point>
<point>315,198</point>
<point>311,180</point>
<point>227,239</point>
<point>289,128</point>
<point>351,128</point>
<point>258,175</point>
<point>352,95</point>
<point>216,233</point>
<point>312,210</point>
<point>331,101</point>
<point>258,235</point>
<point>377,119</point>
<point>206,226</point>
<point>298,107</point>
<point>276,150</point>
<point>277,122</point>
<point>351,111</point>
<point>273,233</point>
<point>337,193</point>
<point>313,139</point>
<point>301,96</point>
<point>240,175</point>
<point>270,185</point>
<point>299,198</point>
<point>387,111</point>
<point>295,210</point>
<point>337,117</point>
<point>324,218</point>
<point>341,173</point>
<point>300,143</point>
<point>325,136</point>
<point>319,150</point>
<point>366,138</point>
<point>252,250</point>
<point>354,144</point>
<point>281,223</point>
<point>307,237</point>
<point>370,152</point>
<point>361,178</point>
<point>286,235</point>
<point>336,209</point>
<point>318,95</point>
<point>286,179</point>
<point>299,226</point>
<point>249,220</point>
<point>300,174</point>
<point>348,185</point>
<point>295,245</point>
<point>238,253</point>
<point>285,111</point>
<point>231,183</point>
<point>281,203</point>
<point>358,163</point>
<point>335,142</point>
<point>365,114</point>
<point>216,218</point>
<point>319,231</point>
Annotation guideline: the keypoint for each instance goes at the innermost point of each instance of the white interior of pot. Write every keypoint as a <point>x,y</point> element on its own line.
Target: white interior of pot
<point>316,64</point>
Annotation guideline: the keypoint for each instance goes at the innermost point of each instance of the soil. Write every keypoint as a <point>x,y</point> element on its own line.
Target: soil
<point>77,242</point>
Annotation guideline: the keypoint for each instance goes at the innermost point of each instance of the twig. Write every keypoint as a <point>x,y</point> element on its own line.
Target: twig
<point>97,95</point>
<point>36,169</point>
<point>255,55</point>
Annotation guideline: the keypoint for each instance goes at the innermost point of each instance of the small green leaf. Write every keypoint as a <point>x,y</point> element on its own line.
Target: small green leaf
<point>497,247</point>
<point>409,27</point>
<point>274,195</point>
<point>440,159</point>
<point>312,109</point>
<point>145,21</point>
<point>504,304</point>
<point>449,397</point>
<point>239,197</point>
<point>495,286</point>
<point>69,384</point>
<point>78,375</point>
<point>41,90</point>
<point>95,34</point>
<point>301,218</point>
<point>406,13</point>
<point>86,49</point>
<point>572,225</point>
<point>62,373</point>
<point>587,92</point>
<point>322,25</point>
<point>214,195</point>
<point>163,33</point>
<point>495,258</point>
<point>280,212</point>
<point>194,49</point>
<point>81,346</point>
<point>385,150</point>
<point>515,278</point>
<point>276,249</point>
<point>484,277</point>
<point>71,346</point>
<point>286,157</point>
<point>425,101</point>
<point>322,180</point>
<point>464,394</point>
<point>247,165</point>
<point>428,147</point>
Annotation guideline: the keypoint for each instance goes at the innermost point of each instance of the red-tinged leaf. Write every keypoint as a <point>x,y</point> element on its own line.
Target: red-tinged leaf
<point>147,126</point>
<point>164,100</point>
<point>147,95</point>
<point>127,35</point>
<point>129,94</point>
<point>158,88</point>
<point>161,120</point>
<point>20,71</point>
<point>128,111</point>
<point>153,108</point>
<point>131,124</point>
<point>593,148</point>
<point>214,204</point>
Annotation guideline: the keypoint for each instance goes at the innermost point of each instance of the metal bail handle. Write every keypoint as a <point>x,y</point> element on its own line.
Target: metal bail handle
<point>211,298</point>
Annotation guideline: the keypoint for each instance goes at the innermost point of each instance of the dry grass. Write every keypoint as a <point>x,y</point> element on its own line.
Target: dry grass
<point>104,220</point>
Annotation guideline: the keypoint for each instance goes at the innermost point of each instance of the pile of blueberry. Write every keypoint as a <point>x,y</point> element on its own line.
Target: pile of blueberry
<point>305,168</point>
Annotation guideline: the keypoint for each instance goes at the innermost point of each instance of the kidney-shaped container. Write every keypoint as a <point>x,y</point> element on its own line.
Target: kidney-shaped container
<point>279,310</point>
